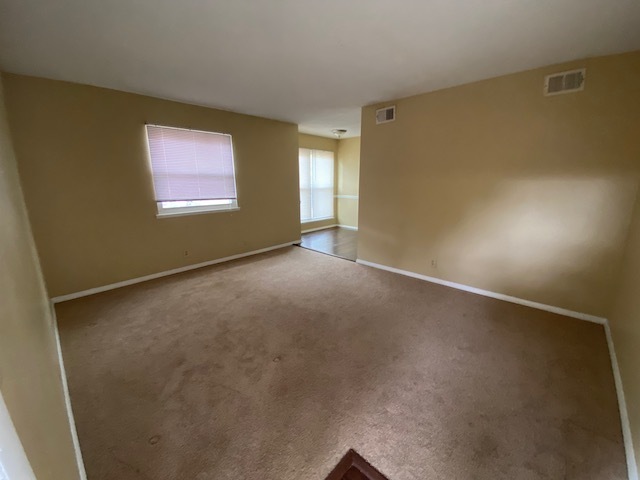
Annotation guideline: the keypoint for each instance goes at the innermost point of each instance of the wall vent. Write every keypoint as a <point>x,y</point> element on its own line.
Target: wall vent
<point>565,82</point>
<point>384,115</point>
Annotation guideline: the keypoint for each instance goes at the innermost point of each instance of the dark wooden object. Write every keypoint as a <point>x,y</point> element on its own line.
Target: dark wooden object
<point>354,467</point>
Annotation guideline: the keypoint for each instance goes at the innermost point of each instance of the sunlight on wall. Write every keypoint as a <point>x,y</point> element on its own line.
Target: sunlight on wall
<point>542,231</point>
<point>495,186</point>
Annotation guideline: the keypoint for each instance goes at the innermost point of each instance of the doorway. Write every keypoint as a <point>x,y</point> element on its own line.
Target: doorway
<point>329,171</point>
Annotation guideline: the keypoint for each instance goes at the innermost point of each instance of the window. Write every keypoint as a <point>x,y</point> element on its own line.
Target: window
<point>193,171</point>
<point>316,185</point>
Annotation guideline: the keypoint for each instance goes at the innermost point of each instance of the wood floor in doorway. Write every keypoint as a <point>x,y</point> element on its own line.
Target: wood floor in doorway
<point>337,241</point>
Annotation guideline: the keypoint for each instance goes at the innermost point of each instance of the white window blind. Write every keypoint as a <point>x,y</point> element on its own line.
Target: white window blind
<point>316,184</point>
<point>191,169</point>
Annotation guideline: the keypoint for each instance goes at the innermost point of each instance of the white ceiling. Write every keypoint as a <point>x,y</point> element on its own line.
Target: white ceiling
<point>311,62</point>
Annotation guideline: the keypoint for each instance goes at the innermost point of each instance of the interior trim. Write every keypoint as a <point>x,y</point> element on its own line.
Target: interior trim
<point>124,283</point>
<point>309,230</point>
<point>622,406</point>
<point>67,398</point>
<point>632,468</point>
<point>487,293</point>
<point>624,417</point>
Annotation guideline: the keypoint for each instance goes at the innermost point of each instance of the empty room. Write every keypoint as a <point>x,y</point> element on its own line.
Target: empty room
<point>295,240</point>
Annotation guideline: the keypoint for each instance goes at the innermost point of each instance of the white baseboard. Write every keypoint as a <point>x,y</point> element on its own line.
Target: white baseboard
<point>624,417</point>
<point>632,468</point>
<point>487,293</point>
<point>347,227</point>
<point>67,399</point>
<point>309,230</point>
<point>124,283</point>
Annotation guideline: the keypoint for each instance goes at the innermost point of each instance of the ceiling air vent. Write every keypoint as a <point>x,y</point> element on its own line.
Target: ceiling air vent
<point>565,82</point>
<point>384,115</point>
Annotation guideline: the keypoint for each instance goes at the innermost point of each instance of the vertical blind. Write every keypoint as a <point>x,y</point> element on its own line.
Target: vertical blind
<point>191,165</point>
<point>316,184</point>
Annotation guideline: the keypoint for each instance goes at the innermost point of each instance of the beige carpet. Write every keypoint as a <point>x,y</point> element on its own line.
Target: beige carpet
<point>272,367</point>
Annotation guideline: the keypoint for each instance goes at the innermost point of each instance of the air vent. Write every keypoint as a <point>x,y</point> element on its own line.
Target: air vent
<point>565,82</point>
<point>384,115</point>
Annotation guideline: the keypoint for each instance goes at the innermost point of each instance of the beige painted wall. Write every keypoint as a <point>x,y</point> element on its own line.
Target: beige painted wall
<point>318,143</point>
<point>348,180</point>
<point>625,328</point>
<point>508,190</point>
<point>84,167</point>
<point>30,378</point>
<point>329,145</point>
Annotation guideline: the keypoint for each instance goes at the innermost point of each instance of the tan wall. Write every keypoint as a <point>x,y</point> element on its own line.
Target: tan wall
<point>329,145</point>
<point>348,180</point>
<point>509,190</point>
<point>87,183</point>
<point>318,143</point>
<point>625,328</point>
<point>29,372</point>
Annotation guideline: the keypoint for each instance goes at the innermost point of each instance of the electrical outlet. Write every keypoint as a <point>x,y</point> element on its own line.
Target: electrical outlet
<point>434,263</point>
<point>186,253</point>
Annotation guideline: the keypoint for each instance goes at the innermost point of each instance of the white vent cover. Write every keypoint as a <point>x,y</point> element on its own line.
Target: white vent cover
<point>384,115</point>
<point>565,82</point>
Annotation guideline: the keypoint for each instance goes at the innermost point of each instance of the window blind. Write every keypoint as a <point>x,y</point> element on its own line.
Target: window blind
<point>316,184</point>
<point>191,165</point>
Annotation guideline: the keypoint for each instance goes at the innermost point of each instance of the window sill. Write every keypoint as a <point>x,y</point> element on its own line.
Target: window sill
<point>195,212</point>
